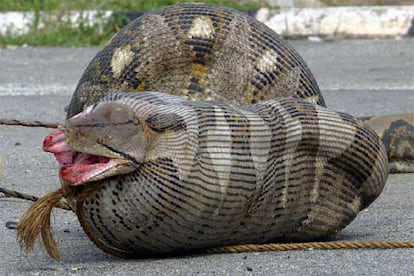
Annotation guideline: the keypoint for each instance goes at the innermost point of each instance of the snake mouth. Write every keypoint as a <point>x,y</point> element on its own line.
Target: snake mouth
<point>77,168</point>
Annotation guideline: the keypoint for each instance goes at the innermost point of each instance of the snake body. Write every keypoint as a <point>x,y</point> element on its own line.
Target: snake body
<point>254,157</point>
<point>200,51</point>
<point>209,174</point>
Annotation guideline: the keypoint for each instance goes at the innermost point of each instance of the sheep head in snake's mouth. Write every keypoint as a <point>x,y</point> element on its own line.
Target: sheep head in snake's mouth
<point>102,141</point>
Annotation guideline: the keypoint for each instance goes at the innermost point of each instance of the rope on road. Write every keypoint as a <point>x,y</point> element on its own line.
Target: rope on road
<point>311,246</point>
<point>62,204</point>
<point>28,123</point>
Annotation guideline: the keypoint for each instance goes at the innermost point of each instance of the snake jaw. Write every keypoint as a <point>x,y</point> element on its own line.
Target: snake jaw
<point>95,168</point>
<point>77,168</point>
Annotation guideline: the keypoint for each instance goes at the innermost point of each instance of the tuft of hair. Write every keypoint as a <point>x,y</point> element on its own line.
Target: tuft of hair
<point>36,221</point>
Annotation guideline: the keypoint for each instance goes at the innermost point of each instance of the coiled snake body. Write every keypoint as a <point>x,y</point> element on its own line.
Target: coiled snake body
<point>265,161</point>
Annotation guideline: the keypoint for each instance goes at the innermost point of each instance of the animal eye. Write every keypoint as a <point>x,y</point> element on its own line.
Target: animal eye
<point>100,141</point>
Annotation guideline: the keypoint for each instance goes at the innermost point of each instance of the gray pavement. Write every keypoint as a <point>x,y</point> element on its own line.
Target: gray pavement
<point>361,77</point>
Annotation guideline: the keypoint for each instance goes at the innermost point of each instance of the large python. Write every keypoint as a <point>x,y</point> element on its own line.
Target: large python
<point>254,157</point>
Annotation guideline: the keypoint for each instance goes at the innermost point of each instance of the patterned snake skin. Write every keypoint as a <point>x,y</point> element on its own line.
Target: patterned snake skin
<point>208,52</point>
<point>209,174</point>
<point>266,161</point>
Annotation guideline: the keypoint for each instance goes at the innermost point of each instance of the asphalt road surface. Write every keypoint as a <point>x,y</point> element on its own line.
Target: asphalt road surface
<point>361,77</point>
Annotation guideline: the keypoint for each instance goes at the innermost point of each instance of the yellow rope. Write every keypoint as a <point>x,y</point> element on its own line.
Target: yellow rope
<point>12,122</point>
<point>311,246</point>
<point>62,204</point>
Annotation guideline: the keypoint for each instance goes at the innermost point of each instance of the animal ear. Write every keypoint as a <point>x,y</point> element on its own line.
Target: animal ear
<point>165,122</point>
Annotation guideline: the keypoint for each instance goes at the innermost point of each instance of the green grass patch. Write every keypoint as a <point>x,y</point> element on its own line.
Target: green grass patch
<point>116,5</point>
<point>59,34</point>
<point>57,30</point>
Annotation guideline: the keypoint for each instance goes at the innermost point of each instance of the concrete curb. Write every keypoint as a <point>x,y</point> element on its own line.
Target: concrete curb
<point>374,21</point>
<point>384,21</point>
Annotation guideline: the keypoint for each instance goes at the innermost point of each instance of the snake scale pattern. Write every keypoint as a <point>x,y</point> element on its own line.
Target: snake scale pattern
<point>208,174</point>
<point>235,144</point>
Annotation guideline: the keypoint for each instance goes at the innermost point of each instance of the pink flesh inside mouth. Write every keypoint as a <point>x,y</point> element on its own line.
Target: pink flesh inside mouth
<point>76,168</point>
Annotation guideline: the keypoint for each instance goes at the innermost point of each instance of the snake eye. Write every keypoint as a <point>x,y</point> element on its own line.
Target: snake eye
<point>100,141</point>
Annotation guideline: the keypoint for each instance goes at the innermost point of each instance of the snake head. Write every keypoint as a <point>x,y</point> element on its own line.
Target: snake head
<point>104,140</point>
